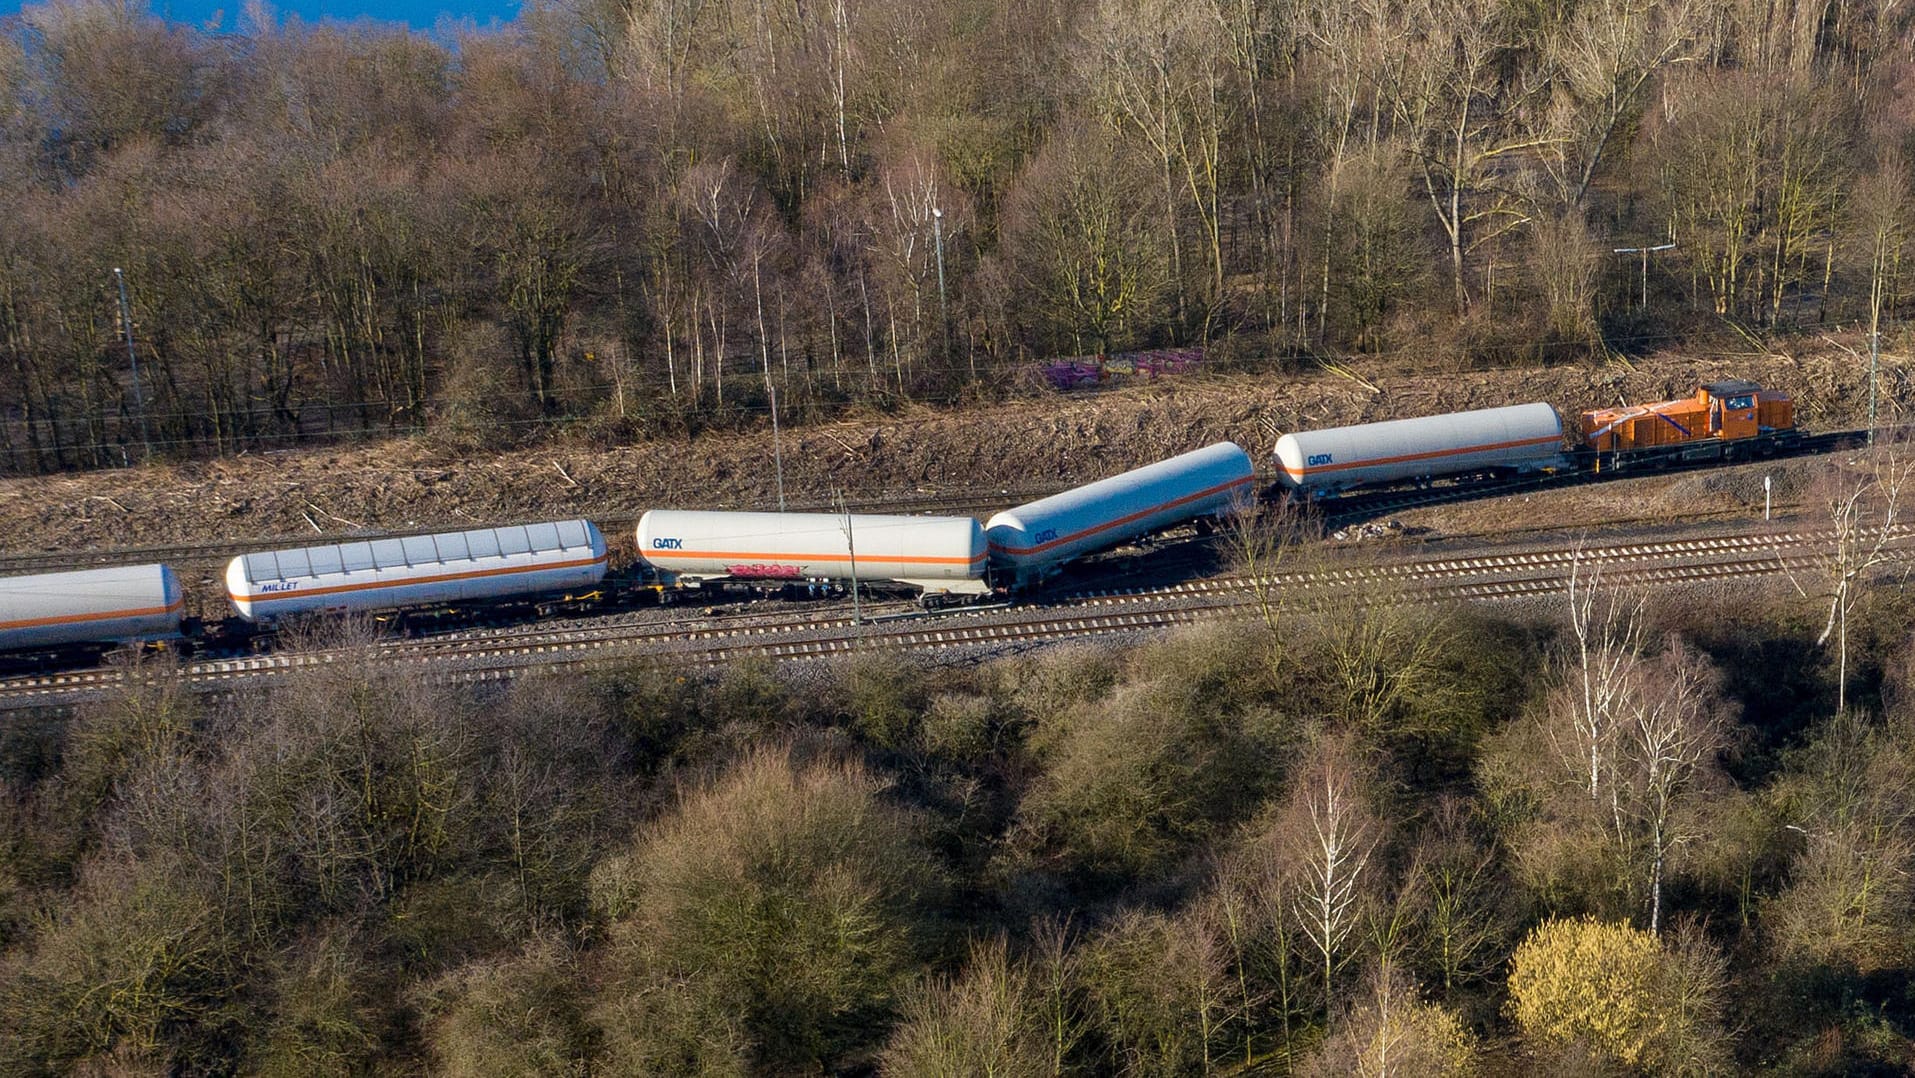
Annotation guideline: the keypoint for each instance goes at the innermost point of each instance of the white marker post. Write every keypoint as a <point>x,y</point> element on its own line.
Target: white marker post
<point>1768,481</point>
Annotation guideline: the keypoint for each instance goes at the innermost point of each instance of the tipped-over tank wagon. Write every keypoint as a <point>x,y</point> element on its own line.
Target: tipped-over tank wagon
<point>121,604</point>
<point>1034,540</point>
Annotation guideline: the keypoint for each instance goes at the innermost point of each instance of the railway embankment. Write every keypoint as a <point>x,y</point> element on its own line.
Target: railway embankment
<point>1000,453</point>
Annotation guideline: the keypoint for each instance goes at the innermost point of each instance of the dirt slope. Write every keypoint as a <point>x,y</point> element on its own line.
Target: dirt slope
<point>1013,447</point>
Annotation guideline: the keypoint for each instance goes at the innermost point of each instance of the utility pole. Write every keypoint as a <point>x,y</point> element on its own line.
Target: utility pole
<point>851,546</point>
<point>1874,359</point>
<point>771,390</point>
<point>133,357</point>
<point>1645,253</point>
<point>777,442</point>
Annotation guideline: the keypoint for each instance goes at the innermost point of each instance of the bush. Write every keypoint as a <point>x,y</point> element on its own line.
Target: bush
<point>1135,777</point>
<point>777,901</point>
<point>1161,993</point>
<point>326,1015</point>
<point>884,699</point>
<point>988,1020</point>
<point>1392,1031</point>
<point>1619,994</point>
<point>520,1016</point>
<point>137,965</point>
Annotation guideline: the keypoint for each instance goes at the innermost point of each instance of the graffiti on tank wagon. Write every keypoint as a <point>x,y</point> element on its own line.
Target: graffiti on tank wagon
<point>764,572</point>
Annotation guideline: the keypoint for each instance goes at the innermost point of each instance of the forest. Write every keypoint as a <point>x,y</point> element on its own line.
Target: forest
<point>1620,835</point>
<point>622,217</point>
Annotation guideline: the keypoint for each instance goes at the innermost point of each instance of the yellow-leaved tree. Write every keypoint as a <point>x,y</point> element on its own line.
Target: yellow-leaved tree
<point>1617,993</point>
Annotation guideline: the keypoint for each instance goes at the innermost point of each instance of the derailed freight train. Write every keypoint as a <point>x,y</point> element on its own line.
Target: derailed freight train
<point>565,566</point>
<point>1723,421</point>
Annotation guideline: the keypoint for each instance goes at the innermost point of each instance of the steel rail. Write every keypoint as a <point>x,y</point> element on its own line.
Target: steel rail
<point>495,654</point>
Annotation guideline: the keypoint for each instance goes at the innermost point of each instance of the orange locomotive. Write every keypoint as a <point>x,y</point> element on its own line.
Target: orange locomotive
<point>1724,420</point>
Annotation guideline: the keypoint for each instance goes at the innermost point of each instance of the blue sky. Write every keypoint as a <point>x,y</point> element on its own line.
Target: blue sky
<point>421,14</point>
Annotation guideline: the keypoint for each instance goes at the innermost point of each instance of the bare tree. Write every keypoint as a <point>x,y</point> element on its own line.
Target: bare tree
<point>1863,510</point>
<point>1673,731</point>
<point>1083,234</point>
<point>1881,208</point>
<point>1605,59</point>
<point>1848,797</point>
<point>1335,838</point>
<point>1454,880</point>
<point>1054,965</point>
<point>1260,539</point>
<point>1607,630</point>
<point>1382,650</point>
<point>1390,1031</point>
<point>1159,72</point>
<point>983,1022</point>
<point>1456,132</point>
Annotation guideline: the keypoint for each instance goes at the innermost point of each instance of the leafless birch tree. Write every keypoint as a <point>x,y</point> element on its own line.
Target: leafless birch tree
<point>1606,628</point>
<point>1671,735</point>
<point>1336,838</point>
<point>1863,509</point>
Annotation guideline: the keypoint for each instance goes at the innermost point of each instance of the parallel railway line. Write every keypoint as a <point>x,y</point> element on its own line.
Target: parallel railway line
<point>1368,506</point>
<point>497,654</point>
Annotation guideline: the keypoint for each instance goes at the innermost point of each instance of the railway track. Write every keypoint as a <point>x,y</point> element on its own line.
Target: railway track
<point>1336,512</point>
<point>1359,507</point>
<point>496,654</point>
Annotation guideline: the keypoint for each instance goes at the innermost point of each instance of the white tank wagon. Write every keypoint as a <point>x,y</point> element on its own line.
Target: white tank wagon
<point>122,604</point>
<point>484,565</point>
<point>1520,438</point>
<point>1033,540</point>
<point>938,555</point>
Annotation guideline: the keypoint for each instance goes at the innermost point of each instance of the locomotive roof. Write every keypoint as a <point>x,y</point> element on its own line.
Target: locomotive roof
<point>1733,387</point>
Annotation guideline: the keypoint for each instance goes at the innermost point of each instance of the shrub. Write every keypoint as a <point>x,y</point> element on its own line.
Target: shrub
<point>1618,993</point>
<point>987,1020</point>
<point>884,699</point>
<point>325,1016</point>
<point>777,901</point>
<point>1392,1031</point>
<point>137,964</point>
<point>521,1016</point>
<point>1134,777</point>
<point>1161,993</point>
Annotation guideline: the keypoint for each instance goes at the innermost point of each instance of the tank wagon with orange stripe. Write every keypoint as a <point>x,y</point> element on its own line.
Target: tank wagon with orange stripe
<point>816,551</point>
<point>562,559</point>
<point>92,606</point>
<point>1034,540</point>
<point>1518,438</point>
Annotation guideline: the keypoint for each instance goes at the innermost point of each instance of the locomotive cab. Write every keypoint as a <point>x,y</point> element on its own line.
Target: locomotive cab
<point>1745,410</point>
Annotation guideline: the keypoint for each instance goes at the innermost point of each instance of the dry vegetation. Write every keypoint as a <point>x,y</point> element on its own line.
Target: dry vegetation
<point>1625,837</point>
<point>619,220</point>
